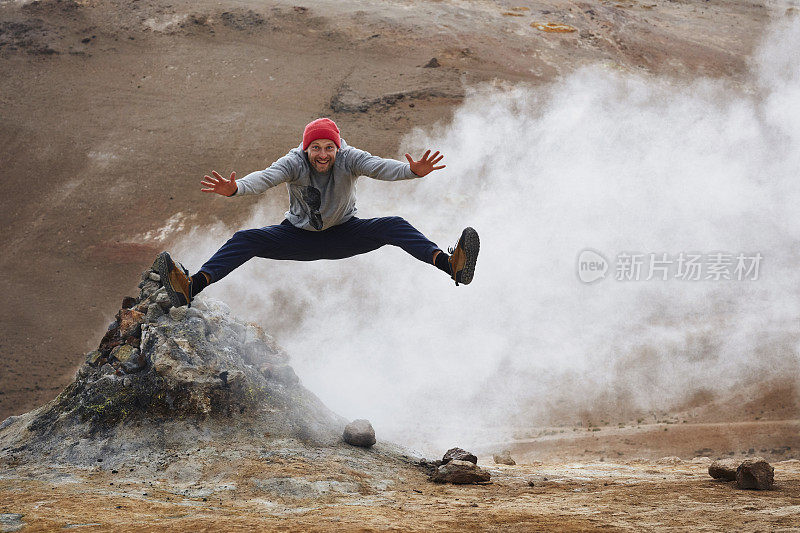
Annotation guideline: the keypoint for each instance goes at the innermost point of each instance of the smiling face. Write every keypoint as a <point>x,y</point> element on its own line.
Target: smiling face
<point>322,154</point>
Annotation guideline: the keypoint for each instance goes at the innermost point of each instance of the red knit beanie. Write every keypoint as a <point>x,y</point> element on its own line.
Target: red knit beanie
<point>322,128</point>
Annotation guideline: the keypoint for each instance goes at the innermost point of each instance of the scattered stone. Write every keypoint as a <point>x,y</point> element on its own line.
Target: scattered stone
<point>433,63</point>
<point>154,312</point>
<point>671,460</point>
<point>700,460</point>
<point>504,458</point>
<point>107,369</point>
<point>359,433</point>
<point>531,482</point>
<point>458,454</point>
<point>755,474</point>
<point>128,302</point>
<point>460,473</point>
<point>154,276</point>
<point>177,313</point>
<point>723,469</point>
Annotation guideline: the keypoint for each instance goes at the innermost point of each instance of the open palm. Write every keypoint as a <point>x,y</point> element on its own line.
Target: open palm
<point>218,184</point>
<point>425,165</point>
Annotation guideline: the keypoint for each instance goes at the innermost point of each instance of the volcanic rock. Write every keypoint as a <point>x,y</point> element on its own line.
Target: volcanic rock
<point>154,311</point>
<point>458,454</point>
<point>755,474</point>
<point>723,469</point>
<point>504,458</point>
<point>93,357</point>
<point>162,299</point>
<point>130,322</point>
<point>131,359</point>
<point>194,379</point>
<point>460,473</point>
<point>359,433</point>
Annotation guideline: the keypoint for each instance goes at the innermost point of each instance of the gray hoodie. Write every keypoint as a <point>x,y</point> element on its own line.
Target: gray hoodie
<point>319,201</point>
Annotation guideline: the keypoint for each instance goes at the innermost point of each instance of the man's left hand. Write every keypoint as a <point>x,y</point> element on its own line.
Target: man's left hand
<point>425,166</point>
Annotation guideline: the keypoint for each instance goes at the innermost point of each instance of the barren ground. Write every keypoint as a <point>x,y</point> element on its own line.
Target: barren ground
<point>254,492</point>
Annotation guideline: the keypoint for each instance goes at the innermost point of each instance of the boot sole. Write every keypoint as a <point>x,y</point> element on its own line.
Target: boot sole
<point>471,245</point>
<point>165,264</point>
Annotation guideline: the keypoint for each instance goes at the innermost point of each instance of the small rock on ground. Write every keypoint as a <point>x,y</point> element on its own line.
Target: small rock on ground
<point>755,474</point>
<point>460,473</point>
<point>504,458</point>
<point>723,469</point>
<point>359,433</point>
<point>459,454</point>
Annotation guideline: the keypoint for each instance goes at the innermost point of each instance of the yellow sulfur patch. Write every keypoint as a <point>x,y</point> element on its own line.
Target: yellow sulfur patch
<point>552,27</point>
<point>510,14</point>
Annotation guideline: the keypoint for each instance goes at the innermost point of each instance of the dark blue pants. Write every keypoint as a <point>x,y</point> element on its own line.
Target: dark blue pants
<point>284,241</point>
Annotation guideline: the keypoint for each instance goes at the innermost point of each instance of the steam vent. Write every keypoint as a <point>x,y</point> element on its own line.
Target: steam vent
<point>197,400</point>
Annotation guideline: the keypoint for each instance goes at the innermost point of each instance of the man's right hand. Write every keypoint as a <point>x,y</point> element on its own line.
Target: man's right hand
<point>218,184</point>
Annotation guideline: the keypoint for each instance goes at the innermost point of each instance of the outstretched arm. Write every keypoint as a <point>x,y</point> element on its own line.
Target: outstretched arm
<point>425,165</point>
<point>363,163</point>
<point>283,170</point>
<point>218,184</point>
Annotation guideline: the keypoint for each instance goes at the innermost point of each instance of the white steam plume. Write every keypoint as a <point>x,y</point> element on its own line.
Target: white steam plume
<point>614,161</point>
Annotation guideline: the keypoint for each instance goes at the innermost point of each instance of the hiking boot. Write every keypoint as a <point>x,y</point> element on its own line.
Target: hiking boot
<point>175,279</point>
<point>463,256</point>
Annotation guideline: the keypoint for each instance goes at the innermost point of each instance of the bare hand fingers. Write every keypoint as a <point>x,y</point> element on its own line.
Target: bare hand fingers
<point>440,166</point>
<point>410,160</point>
<point>425,155</point>
<point>434,161</point>
<point>207,190</point>
<point>233,176</point>
<point>433,155</point>
<point>218,176</point>
<point>208,184</point>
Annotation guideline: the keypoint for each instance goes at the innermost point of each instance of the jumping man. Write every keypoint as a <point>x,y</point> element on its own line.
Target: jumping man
<point>321,175</point>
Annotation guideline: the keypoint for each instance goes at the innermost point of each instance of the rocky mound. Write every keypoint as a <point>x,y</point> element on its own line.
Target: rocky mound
<point>165,379</point>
